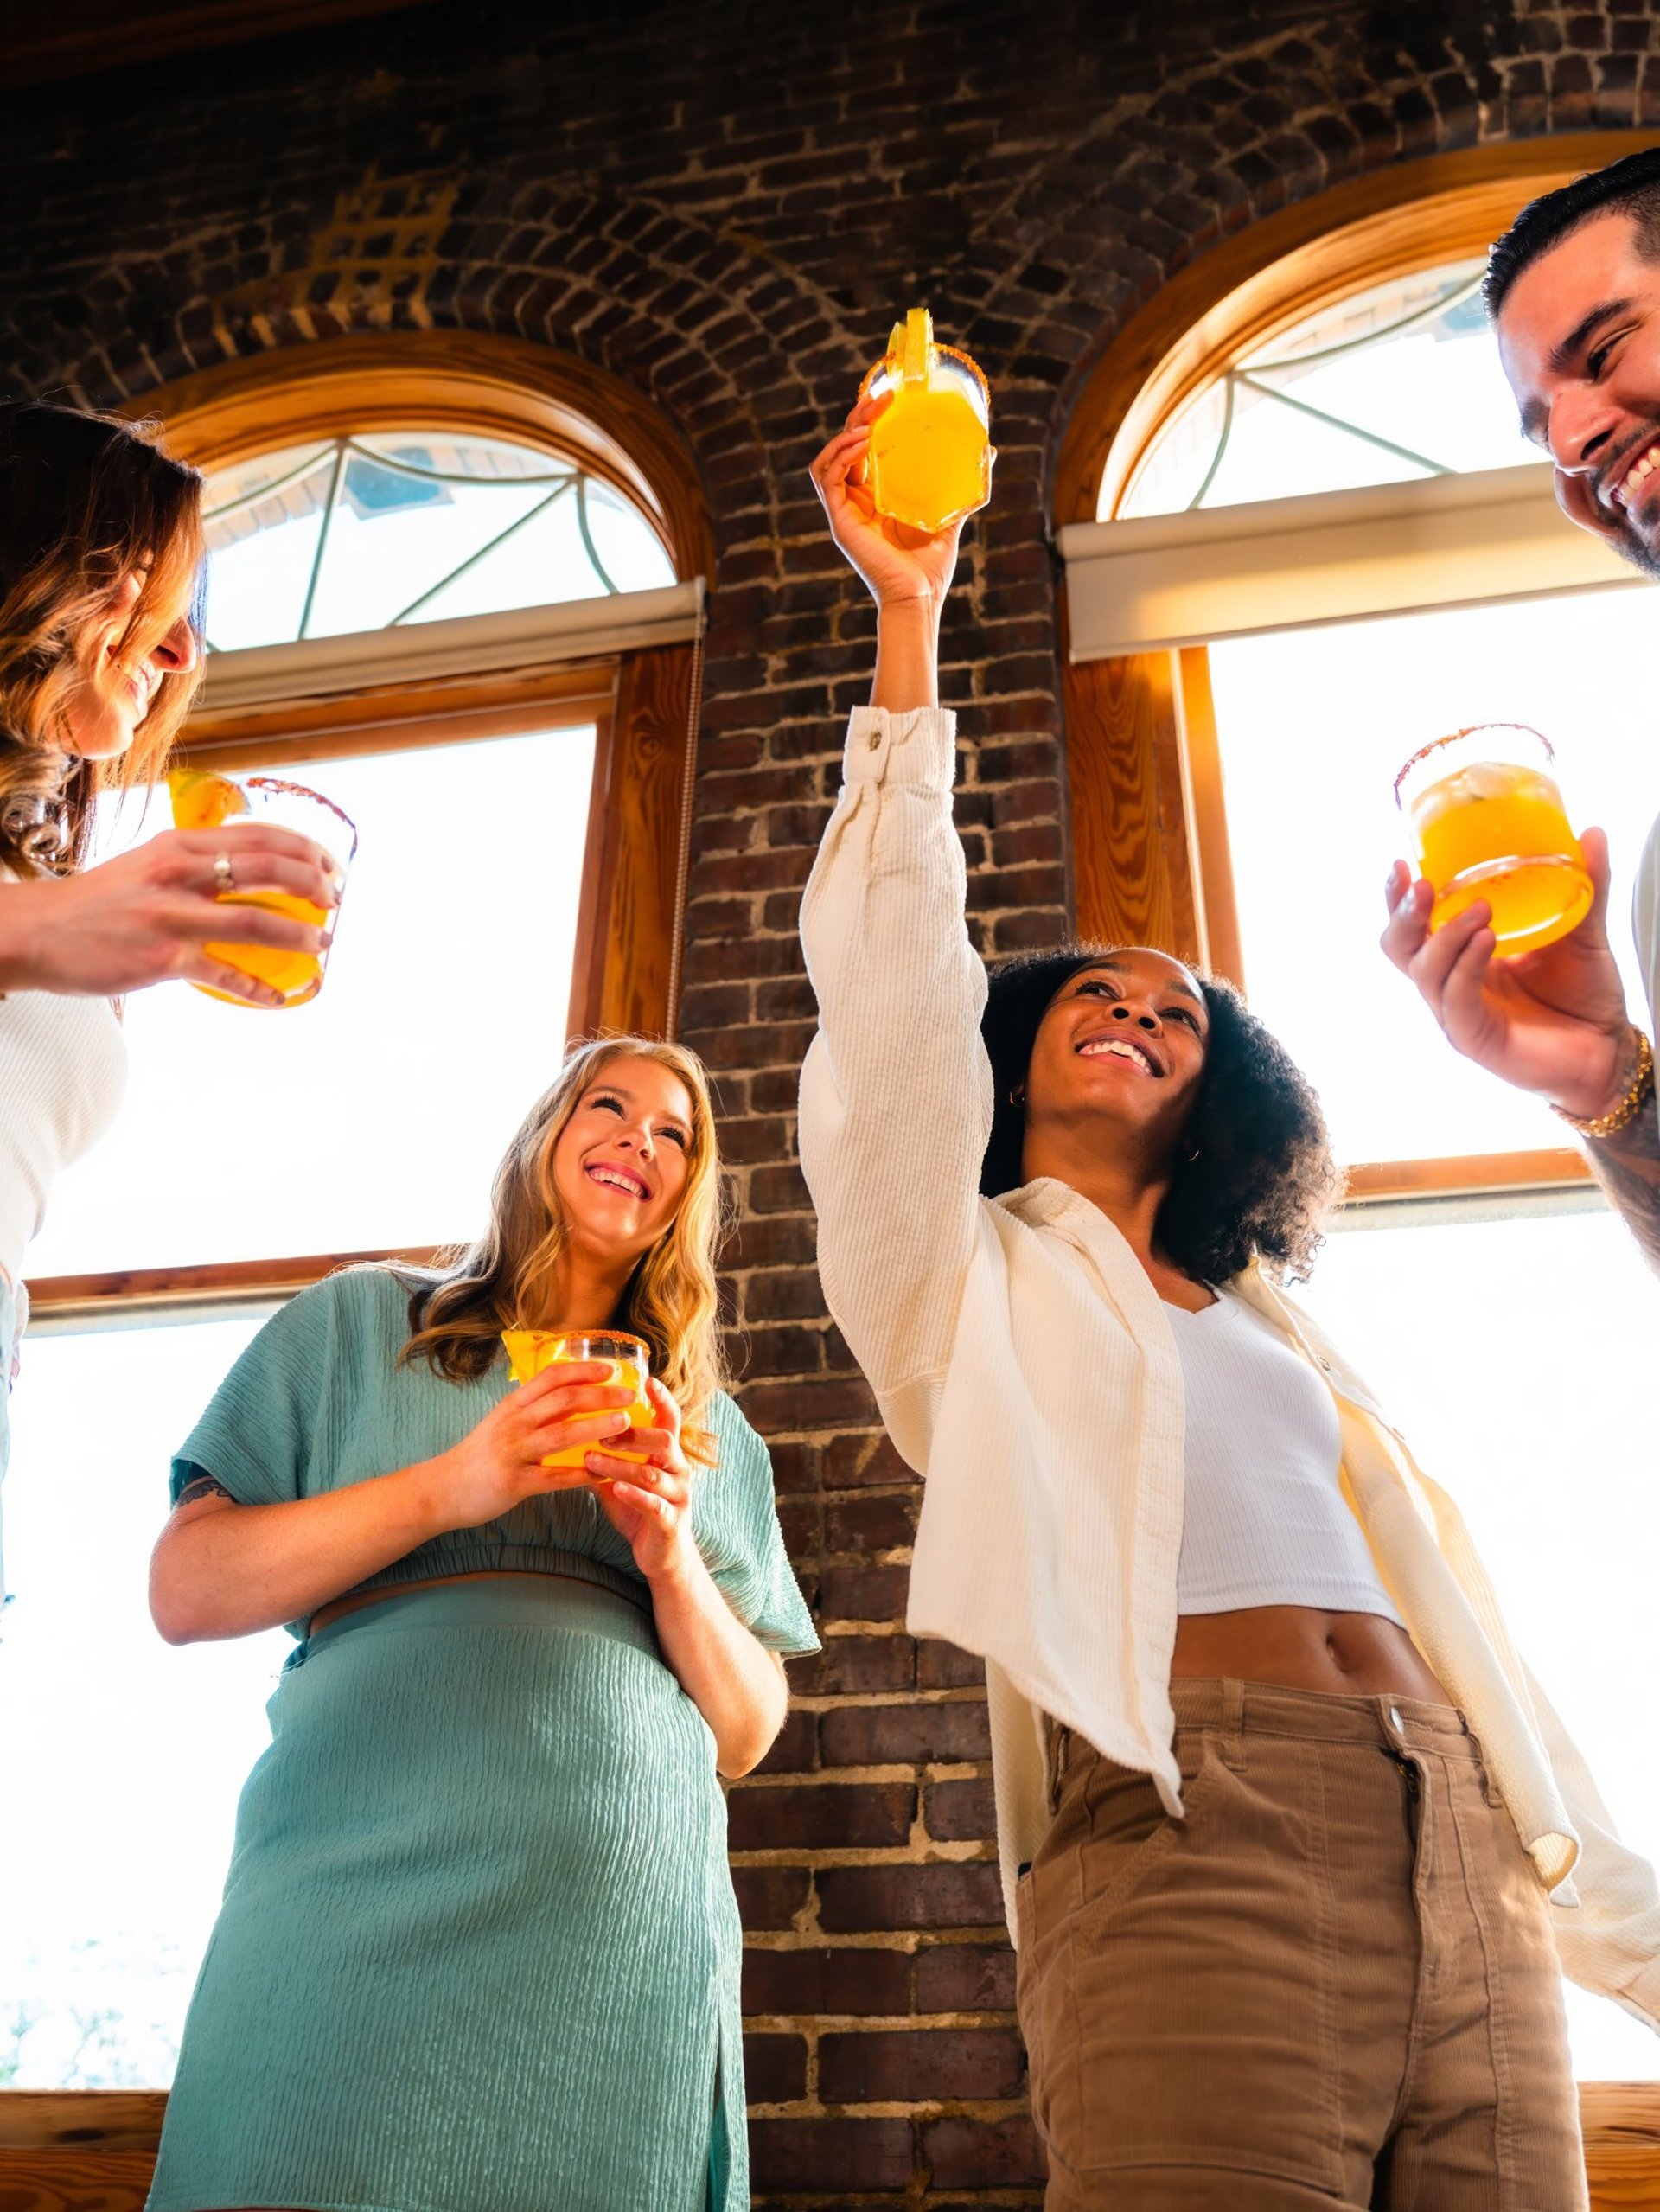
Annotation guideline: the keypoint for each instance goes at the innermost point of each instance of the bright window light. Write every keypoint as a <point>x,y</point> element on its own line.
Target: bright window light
<point>1313,726</point>
<point>1514,1355</point>
<point>373,1115</point>
<point>126,1755</point>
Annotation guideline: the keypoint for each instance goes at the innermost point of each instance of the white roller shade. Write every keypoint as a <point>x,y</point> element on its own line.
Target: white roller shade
<point>520,638</point>
<point>1288,564</point>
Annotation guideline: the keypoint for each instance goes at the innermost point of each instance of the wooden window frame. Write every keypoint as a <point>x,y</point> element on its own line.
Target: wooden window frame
<point>643,698</point>
<point>1149,835</point>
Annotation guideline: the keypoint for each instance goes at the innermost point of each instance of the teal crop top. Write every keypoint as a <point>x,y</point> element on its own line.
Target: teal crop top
<point>317,1401</point>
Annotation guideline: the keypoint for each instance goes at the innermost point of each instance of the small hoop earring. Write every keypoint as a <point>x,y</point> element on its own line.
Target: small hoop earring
<point>1192,1153</point>
<point>1018,1095</point>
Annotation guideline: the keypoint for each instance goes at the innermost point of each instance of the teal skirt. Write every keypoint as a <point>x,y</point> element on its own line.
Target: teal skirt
<point>479,1950</point>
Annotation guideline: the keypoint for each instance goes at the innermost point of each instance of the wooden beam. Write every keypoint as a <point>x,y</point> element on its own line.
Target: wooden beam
<point>67,1297</point>
<point>398,716</point>
<point>1131,878</point>
<point>94,2149</point>
<point>1480,1174</point>
<point>622,971</point>
<point>88,35</point>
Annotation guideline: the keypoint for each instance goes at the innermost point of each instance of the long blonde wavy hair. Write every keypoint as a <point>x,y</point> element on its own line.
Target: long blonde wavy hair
<point>502,1280</point>
<point>89,500</point>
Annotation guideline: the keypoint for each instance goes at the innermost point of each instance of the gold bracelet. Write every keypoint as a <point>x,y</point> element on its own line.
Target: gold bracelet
<point>1620,1116</point>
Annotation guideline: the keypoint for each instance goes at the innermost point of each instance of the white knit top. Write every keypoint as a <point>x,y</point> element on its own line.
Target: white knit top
<point>1264,1519</point>
<point>1026,1368</point>
<point>63,1066</point>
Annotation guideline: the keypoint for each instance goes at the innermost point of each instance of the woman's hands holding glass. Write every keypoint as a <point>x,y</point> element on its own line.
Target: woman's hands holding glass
<point>648,1504</point>
<point>146,917</point>
<point>498,1465</point>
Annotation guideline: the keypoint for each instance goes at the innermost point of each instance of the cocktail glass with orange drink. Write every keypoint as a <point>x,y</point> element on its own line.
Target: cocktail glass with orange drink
<point>529,1351</point>
<point>1488,823</point>
<point>203,800</point>
<point>929,460</point>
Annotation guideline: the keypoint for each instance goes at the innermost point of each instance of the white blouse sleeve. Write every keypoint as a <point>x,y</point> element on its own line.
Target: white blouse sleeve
<point>897,1091</point>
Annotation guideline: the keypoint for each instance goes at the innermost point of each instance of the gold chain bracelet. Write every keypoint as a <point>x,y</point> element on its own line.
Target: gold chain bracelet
<point>1620,1116</point>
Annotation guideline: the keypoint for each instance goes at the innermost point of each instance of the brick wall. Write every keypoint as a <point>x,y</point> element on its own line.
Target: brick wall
<point>727,205</point>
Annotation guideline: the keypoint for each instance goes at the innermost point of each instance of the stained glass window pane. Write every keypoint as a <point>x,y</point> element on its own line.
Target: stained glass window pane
<point>1398,382</point>
<point>355,534</point>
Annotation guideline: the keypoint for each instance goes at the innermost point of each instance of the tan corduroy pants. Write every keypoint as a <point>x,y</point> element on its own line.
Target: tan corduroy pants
<point>1332,1984</point>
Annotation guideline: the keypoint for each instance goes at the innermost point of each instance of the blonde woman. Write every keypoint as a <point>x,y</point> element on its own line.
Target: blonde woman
<point>479,1949</point>
<point>101,558</point>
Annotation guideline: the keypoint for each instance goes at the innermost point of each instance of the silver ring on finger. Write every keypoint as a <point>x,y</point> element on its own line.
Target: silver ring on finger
<point>224,875</point>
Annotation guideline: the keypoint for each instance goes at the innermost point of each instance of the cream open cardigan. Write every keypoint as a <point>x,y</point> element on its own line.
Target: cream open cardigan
<point>1025,1368</point>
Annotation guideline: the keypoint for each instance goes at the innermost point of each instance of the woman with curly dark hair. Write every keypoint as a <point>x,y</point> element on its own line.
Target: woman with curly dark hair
<point>1284,1823</point>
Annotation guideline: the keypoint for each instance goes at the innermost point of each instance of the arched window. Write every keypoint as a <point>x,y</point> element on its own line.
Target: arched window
<point>456,585</point>
<point>360,533</point>
<point>1388,386</point>
<point>1303,537</point>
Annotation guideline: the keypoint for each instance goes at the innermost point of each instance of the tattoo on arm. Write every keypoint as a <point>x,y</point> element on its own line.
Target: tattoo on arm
<point>201,1486</point>
<point>1628,1167</point>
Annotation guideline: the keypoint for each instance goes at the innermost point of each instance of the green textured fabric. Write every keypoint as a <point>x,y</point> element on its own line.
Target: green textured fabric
<point>479,1950</point>
<point>317,1402</point>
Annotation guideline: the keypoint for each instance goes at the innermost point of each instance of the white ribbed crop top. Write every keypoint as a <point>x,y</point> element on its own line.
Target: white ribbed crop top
<point>1265,1520</point>
<point>63,1066</point>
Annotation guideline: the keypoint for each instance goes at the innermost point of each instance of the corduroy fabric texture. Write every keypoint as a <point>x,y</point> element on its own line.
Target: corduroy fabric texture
<point>1332,1987</point>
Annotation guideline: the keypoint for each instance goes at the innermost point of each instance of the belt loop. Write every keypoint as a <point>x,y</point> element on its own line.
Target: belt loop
<point>1232,1732</point>
<point>1057,1742</point>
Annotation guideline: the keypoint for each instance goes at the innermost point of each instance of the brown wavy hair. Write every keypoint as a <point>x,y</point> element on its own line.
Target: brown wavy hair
<point>89,498</point>
<point>1254,1179</point>
<point>502,1281</point>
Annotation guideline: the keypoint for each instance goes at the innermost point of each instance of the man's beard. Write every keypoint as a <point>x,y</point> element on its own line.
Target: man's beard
<point>1632,547</point>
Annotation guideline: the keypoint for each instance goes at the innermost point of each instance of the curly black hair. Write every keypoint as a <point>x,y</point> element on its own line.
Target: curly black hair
<point>1262,1177</point>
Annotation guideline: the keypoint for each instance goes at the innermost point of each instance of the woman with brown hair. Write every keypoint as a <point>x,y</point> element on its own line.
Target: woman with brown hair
<point>479,1948</point>
<point>100,563</point>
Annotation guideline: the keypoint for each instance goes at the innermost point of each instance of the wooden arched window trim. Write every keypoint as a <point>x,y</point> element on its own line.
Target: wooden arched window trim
<point>641,698</point>
<point>445,380</point>
<point>1148,837</point>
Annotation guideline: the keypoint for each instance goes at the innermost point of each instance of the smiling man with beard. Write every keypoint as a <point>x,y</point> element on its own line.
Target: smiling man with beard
<point>1574,292</point>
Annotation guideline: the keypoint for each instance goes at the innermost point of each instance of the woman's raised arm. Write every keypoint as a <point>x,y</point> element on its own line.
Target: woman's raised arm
<point>896,1093</point>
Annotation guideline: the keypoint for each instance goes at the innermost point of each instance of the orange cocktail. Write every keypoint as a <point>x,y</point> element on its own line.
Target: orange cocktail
<point>1489,822</point>
<point>630,1359</point>
<point>929,461</point>
<point>202,800</point>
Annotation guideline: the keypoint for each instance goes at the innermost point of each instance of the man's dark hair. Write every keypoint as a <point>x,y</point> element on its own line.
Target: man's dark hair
<point>1630,186</point>
<point>1261,1179</point>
